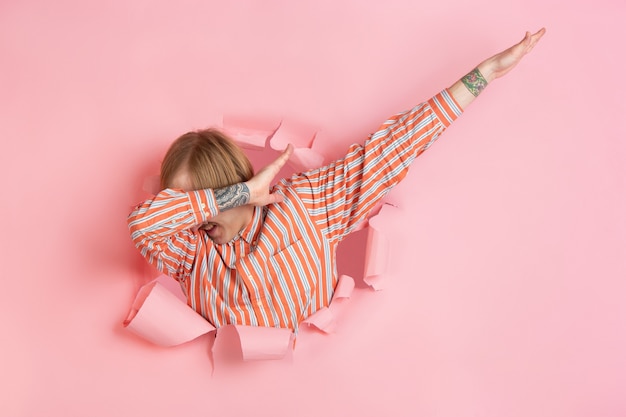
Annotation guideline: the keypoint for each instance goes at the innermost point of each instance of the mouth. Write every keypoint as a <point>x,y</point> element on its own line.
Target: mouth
<point>208,226</point>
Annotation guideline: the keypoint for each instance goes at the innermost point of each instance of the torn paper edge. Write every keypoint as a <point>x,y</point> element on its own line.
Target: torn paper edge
<point>377,247</point>
<point>325,318</point>
<point>161,317</point>
<point>257,343</point>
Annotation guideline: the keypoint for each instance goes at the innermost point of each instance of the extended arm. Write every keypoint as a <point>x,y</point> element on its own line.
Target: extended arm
<point>464,91</point>
<point>343,193</point>
<point>471,85</point>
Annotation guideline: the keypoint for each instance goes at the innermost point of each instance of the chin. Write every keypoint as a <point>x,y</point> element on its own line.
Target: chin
<point>219,240</point>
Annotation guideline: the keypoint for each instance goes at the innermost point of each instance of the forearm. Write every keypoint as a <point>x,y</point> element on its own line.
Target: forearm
<point>232,196</point>
<point>170,212</point>
<point>471,85</point>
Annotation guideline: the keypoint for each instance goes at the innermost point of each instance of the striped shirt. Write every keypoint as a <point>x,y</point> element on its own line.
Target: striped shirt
<point>281,268</point>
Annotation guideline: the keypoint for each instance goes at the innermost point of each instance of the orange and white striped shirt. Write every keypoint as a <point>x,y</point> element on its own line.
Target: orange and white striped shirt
<point>281,268</point>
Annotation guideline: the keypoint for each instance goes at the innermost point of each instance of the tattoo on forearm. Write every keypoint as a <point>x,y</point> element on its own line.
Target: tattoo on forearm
<point>232,196</point>
<point>475,82</point>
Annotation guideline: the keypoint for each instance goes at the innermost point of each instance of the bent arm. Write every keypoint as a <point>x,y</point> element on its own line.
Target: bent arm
<point>164,228</point>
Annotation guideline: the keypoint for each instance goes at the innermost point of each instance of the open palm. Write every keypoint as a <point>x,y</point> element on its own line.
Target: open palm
<point>505,61</point>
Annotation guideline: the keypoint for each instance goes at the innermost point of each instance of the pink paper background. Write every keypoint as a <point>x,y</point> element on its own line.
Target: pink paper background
<point>506,291</point>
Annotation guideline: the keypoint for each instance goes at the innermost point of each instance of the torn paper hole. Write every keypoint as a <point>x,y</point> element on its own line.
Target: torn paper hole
<point>161,315</point>
<point>163,318</point>
<point>303,158</point>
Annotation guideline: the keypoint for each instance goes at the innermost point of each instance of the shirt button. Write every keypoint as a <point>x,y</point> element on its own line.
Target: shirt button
<point>202,205</point>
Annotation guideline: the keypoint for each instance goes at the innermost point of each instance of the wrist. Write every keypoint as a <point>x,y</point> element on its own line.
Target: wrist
<point>486,69</point>
<point>475,82</point>
<point>232,196</point>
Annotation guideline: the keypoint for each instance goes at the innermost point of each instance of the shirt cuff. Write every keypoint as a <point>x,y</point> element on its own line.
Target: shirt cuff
<point>445,107</point>
<point>203,205</point>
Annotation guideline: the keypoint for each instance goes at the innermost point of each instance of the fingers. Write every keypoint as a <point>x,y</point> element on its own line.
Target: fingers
<point>283,158</point>
<point>288,150</point>
<point>539,33</point>
<point>535,37</point>
<point>530,40</point>
<point>275,198</point>
<point>275,167</point>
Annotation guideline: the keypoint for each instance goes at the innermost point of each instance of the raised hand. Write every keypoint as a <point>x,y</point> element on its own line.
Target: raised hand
<point>259,185</point>
<point>500,64</point>
<point>472,84</point>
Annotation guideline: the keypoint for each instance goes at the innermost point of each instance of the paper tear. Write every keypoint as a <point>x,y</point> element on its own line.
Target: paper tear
<point>290,132</point>
<point>377,247</point>
<point>262,343</point>
<point>163,318</point>
<point>248,132</point>
<point>304,157</point>
<point>160,313</point>
<point>160,317</point>
<point>324,318</point>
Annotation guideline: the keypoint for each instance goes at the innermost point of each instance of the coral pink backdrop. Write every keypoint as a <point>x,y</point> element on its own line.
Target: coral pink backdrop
<point>506,289</point>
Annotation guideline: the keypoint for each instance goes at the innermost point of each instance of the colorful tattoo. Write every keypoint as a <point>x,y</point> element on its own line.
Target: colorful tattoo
<point>475,82</point>
<point>232,196</point>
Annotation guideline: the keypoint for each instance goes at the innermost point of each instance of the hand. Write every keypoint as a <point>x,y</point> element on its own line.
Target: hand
<point>259,185</point>
<point>500,64</point>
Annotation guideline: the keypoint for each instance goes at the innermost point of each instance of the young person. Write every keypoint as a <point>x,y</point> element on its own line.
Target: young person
<point>248,254</point>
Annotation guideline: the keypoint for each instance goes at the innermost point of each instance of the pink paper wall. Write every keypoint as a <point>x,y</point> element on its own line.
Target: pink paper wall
<point>506,288</point>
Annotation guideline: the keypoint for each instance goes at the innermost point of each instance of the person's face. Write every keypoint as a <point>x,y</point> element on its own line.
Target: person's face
<point>225,226</point>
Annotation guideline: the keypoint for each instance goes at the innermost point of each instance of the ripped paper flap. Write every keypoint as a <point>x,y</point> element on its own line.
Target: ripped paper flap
<point>324,318</point>
<point>304,159</point>
<point>377,248</point>
<point>160,317</point>
<point>261,343</point>
<point>301,137</point>
<point>248,132</point>
<point>289,132</point>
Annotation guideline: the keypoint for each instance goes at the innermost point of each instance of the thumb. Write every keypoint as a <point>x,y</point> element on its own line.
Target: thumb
<point>275,198</point>
<point>283,157</point>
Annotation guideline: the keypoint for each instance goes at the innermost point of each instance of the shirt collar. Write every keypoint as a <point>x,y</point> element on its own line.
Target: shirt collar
<point>251,232</point>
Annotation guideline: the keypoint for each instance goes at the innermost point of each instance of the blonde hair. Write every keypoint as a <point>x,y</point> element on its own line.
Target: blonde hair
<point>211,158</point>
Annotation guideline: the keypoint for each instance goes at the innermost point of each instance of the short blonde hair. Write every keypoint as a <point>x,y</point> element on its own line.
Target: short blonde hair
<point>211,158</point>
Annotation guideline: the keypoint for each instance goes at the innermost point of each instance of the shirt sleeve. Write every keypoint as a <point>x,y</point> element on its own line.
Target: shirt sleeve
<point>340,195</point>
<point>161,228</point>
